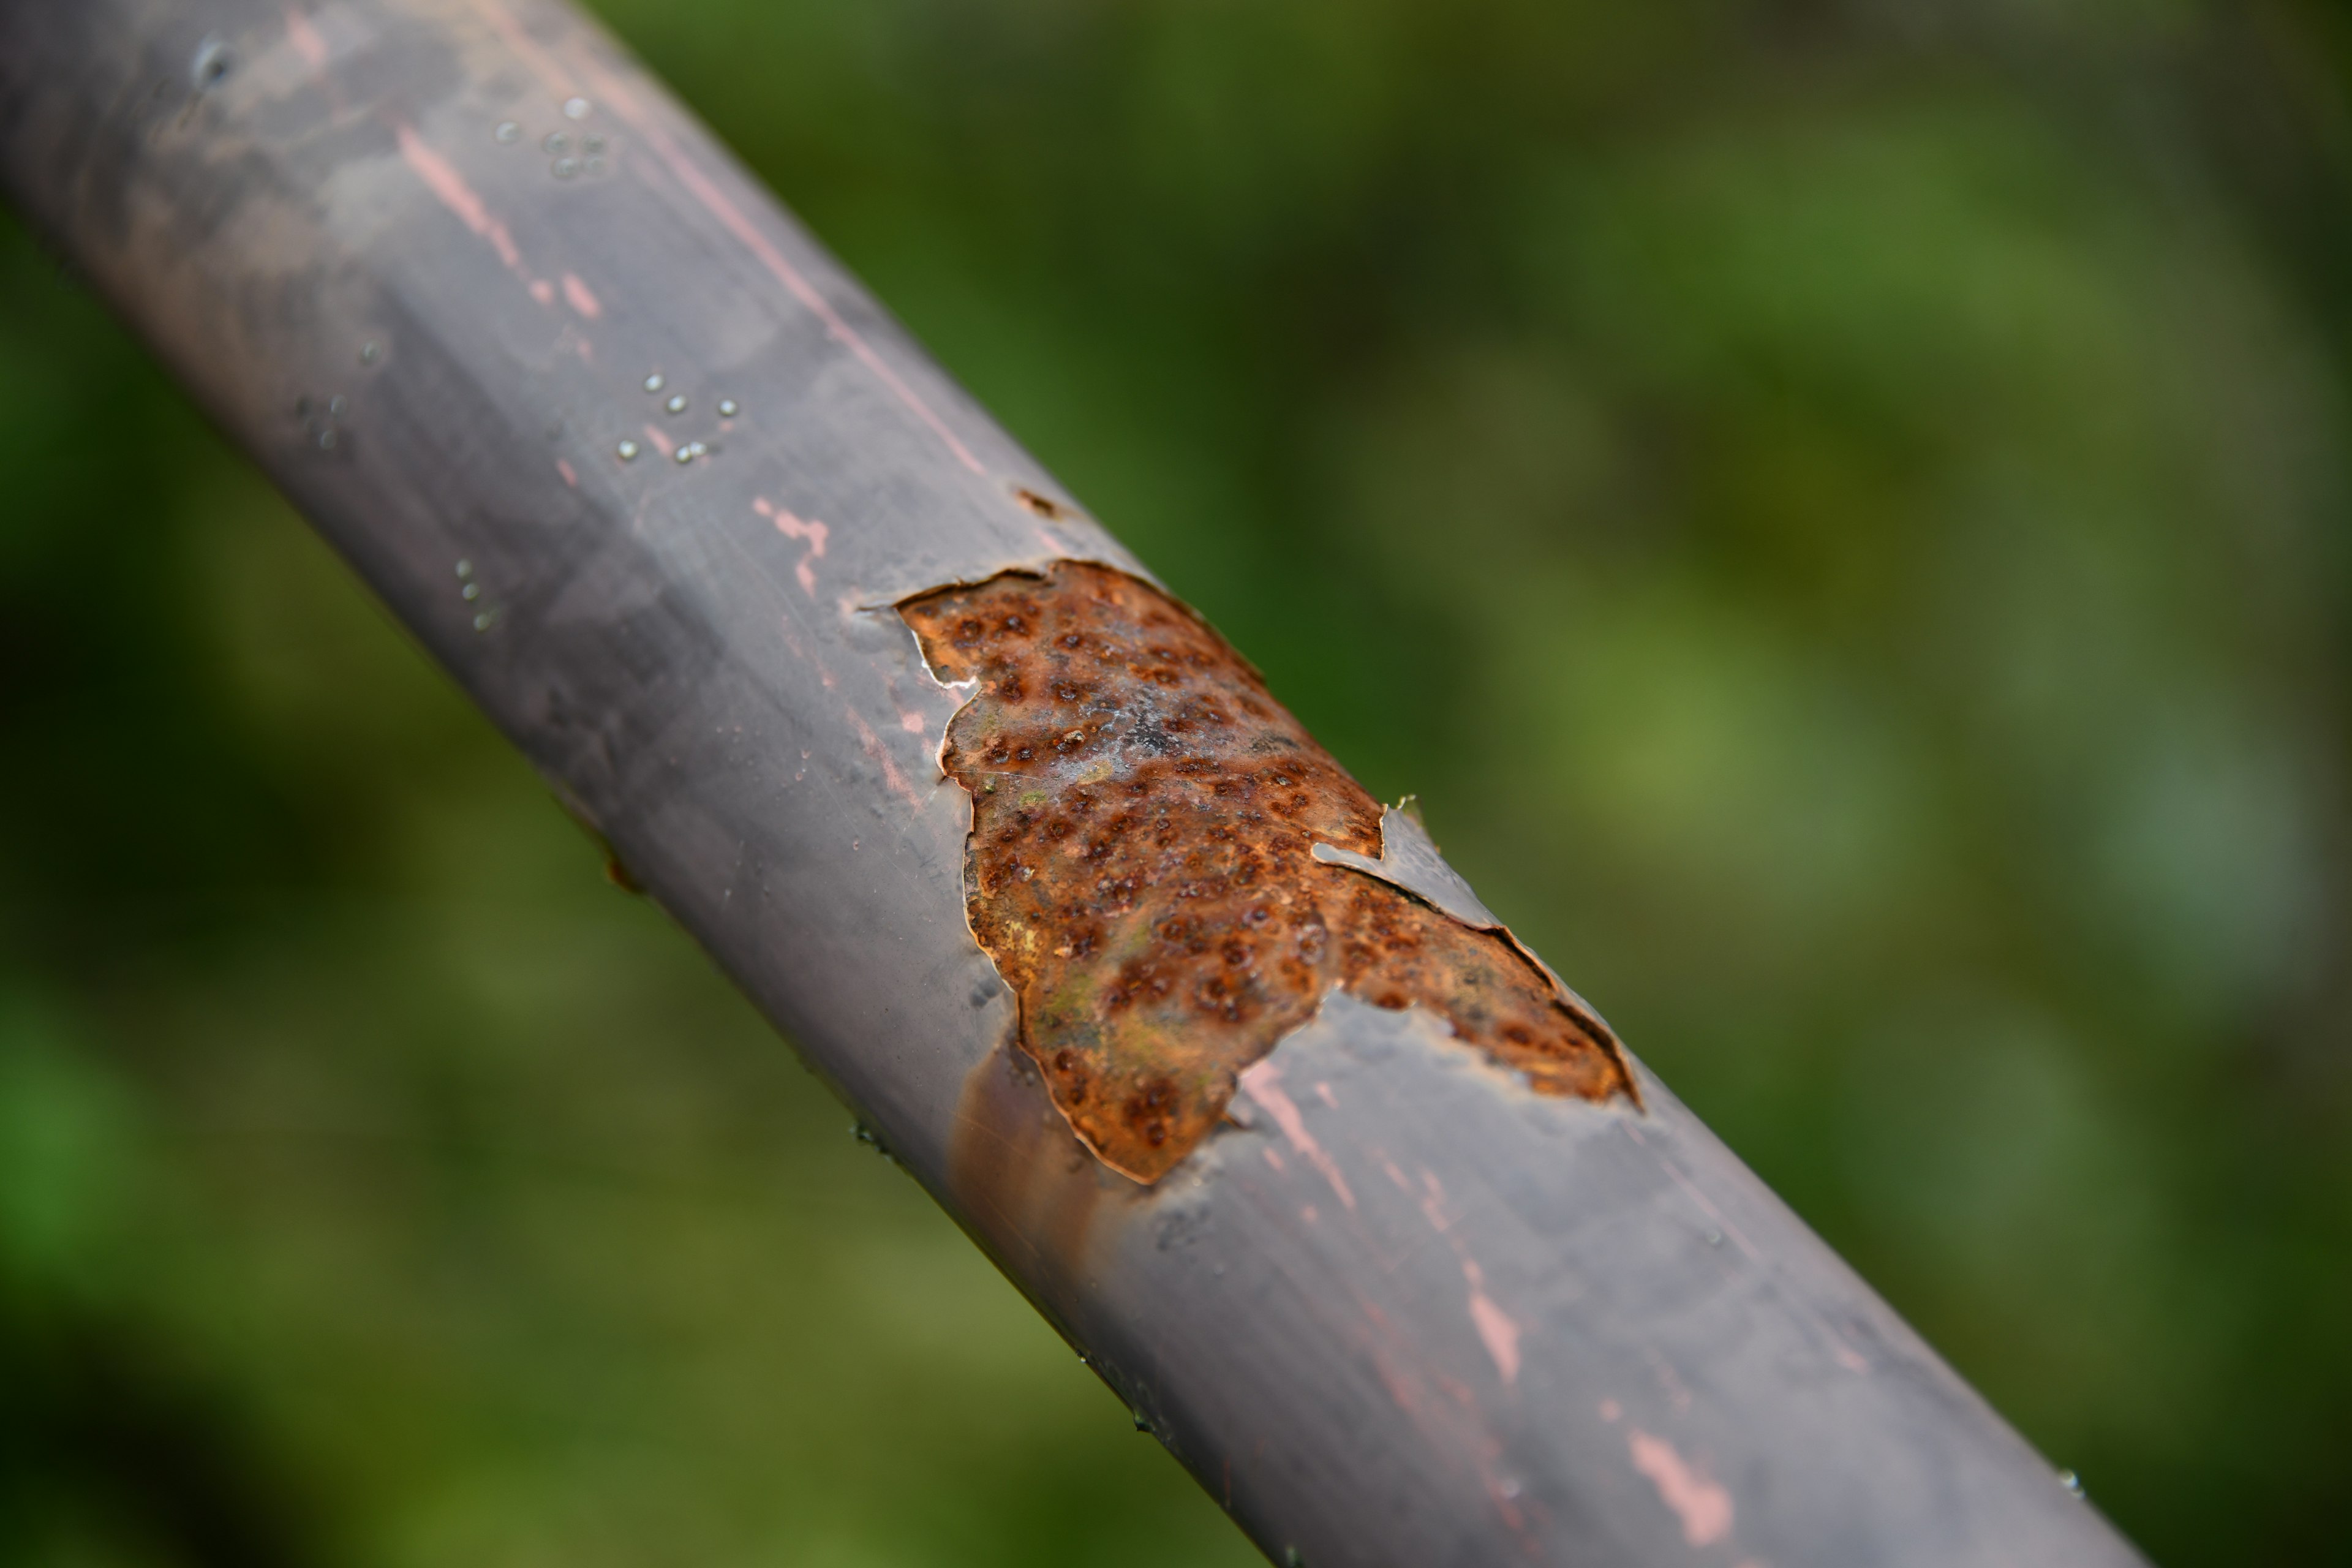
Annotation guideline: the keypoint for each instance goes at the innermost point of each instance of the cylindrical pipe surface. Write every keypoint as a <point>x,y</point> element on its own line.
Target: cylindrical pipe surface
<point>652,478</point>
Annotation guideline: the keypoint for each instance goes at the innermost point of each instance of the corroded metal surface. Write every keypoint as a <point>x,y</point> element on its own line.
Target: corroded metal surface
<point>1143,871</point>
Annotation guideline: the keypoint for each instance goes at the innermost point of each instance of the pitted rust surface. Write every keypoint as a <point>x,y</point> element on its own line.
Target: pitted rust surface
<point>1140,868</point>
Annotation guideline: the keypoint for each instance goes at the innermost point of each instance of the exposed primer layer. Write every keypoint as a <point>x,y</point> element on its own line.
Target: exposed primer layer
<point>1141,867</point>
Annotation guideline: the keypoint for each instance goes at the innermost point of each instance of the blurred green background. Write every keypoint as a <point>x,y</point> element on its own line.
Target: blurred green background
<point>1838,509</point>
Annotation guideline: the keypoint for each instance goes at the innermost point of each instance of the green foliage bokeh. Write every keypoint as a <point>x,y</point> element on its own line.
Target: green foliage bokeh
<point>1838,512</point>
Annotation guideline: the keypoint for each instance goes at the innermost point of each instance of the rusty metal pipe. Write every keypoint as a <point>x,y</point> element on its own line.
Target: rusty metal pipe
<point>1376,1227</point>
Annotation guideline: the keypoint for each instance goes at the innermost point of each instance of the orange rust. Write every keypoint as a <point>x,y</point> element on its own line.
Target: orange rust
<point>1045,507</point>
<point>1139,867</point>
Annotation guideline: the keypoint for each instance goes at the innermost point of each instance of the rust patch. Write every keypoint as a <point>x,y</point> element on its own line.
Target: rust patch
<point>1141,868</point>
<point>1045,507</point>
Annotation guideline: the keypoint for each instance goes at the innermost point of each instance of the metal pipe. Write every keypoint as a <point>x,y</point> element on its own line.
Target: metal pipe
<point>718,548</point>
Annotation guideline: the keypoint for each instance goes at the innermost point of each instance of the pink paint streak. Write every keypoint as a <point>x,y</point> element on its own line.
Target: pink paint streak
<point>661,444</point>
<point>1263,1083</point>
<point>1703,1506</point>
<point>449,187</point>
<point>1495,1326</point>
<point>569,477</point>
<point>815,533</point>
<point>542,290</point>
<point>306,39</point>
<point>577,296</point>
<point>911,722</point>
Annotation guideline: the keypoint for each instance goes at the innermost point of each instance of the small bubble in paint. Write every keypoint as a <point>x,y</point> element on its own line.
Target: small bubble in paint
<point>592,142</point>
<point>371,351</point>
<point>727,409</point>
<point>472,591</point>
<point>676,404</point>
<point>626,451</point>
<point>564,168</point>
<point>576,107</point>
<point>556,142</point>
<point>212,62</point>
<point>655,383</point>
<point>507,132</point>
<point>464,568</point>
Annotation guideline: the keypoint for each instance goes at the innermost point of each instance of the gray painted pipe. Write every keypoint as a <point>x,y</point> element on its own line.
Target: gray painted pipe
<point>1398,1309</point>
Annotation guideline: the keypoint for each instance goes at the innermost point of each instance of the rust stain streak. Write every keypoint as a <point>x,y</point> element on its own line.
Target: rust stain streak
<point>1140,868</point>
<point>1012,1162</point>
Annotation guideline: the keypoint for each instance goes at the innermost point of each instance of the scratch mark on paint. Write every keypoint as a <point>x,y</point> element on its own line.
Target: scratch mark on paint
<point>306,39</point>
<point>662,443</point>
<point>449,187</point>
<point>570,478</point>
<point>875,749</point>
<point>525,48</point>
<point>1705,1205</point>
<point>1702,1505</point>
<point>1433,1200</point>
<point>579,297</point>
<point>1496,1327</point>
<point>1262,1081</point>
<point>1273,1157</point>
<point>1670,1382</point>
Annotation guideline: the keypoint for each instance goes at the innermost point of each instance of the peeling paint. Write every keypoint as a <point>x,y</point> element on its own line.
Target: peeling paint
<point>1141,867</point>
